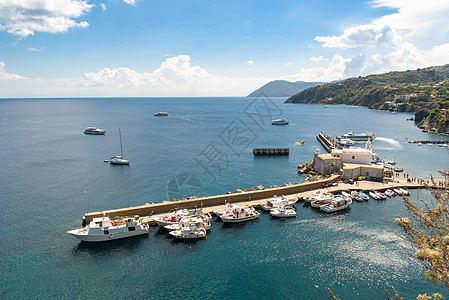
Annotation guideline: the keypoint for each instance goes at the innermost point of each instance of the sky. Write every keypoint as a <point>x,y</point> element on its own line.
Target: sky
<point>149,48</point>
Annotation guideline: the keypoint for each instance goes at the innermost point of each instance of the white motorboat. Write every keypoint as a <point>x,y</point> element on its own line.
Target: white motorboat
<point>228,208</point>
<point>282,121</point>
<point>119,159</point>
<point>359,136</point>
<point>276,201</point>
<point>320,202</point>
<point>380,195</point>
<point>339,203</point>
<point>179,214</point>
<point>240,215</point>
<point>318,196</point>
<point>398,191</point>
<point>405,192</point>
<point>191,232</point>
<point>346,142</point>
<point>94,130</point>
<point>283,212</point>
<point>346,195</point>
<point>389,193</point>
<point>374,196</point>
<point>356,196</point>
<point>103,229</point>
<point>161,114</point>
<point>186,222</point>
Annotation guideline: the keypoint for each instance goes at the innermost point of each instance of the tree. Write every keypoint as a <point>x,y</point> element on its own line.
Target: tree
<point>427,231</point>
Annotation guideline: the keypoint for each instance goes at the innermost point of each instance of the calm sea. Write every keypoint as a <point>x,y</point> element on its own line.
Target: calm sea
<point>204,147</point>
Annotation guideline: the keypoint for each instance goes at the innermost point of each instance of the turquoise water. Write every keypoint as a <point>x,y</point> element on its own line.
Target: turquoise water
<point>199,149</point>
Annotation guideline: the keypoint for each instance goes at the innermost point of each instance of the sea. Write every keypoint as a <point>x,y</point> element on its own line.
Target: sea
<point>51,174</point>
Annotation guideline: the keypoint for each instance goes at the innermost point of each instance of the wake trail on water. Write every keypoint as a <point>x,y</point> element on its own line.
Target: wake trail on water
<point>394,145</point>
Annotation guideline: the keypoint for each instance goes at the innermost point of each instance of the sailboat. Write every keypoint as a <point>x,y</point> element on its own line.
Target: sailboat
<point>118,159</point>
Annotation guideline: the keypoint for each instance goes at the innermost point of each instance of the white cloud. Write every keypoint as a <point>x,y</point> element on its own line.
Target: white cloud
<point>250,63</point>
<point>131,2</point>
<point>103,6</point>
<point>36,49</point>
<point>334,71</point>
<point>175,77</point>
<point>319,58</point>
<point>24,17</point>
<point>288,64</point>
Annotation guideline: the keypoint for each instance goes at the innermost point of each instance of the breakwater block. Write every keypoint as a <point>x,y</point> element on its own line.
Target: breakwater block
<point>271,151</point>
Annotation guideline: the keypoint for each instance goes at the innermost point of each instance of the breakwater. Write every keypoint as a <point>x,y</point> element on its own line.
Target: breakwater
<point>327,142</point>
<point>156,208</point>
<point>428,142</point>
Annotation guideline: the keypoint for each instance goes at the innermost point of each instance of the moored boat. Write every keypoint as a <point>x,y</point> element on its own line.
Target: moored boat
<point>240,215</point>
<point>398,191</point>
<point>191,232</point>
<point>103,229</point>
<point>374,195</point>
<point>389,193</point>
<point>278,200</point>
<point>283,212</point>
<point>356,196</point>
<point>186,222</point>
<point>339,203</point>
<point>320,202</point>
<point>380,195</point>
<point>282,121</point>
<point>364,196</point>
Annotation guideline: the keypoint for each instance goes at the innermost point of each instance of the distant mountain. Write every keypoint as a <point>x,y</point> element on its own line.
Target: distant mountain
<point>283,88</point>
<point>414,90</point>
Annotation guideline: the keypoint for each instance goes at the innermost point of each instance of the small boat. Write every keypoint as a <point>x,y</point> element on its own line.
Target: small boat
<point>94,130</point>
<point>191,232</point>
<point>282,121</point>
<point>225,210</point>
<point>398,169</point>
<point>398,191</point>
<point>186,222</point>
<point>178,215</point>
<point>276,201</point>
<point>318,196</point>
<point>103,229</point>
<point>321,202</point>
<point>419,144</point>
<point>391,162</point>
<point>429,144</point>
<point>390,193</point>
<point>356,196</point>
<point>118,159</point>
<point>240,215</point>
<point>364,196</point>
<point>405,192</point>
<point>346,142</point>
<point>346,195</point>
<point>374,196</point>
<point>283,212</point>
<point>161,114</point>
<point>339,203</point>
<point>380,195</point>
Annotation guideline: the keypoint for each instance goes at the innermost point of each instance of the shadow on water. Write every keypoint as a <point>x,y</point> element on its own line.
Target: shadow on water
<point>117,246</point>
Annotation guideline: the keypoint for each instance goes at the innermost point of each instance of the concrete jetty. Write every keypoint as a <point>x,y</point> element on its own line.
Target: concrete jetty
<point>327,142</point>
<point>156,208</point>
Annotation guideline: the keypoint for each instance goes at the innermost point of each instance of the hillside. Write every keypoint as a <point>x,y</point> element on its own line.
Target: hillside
<point>283,88</point>
<point>413,90</point>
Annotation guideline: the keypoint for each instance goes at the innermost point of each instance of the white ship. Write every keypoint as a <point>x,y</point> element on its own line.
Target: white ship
<point>94,130</point>
<point>103,229</point>
<point>367,136</point>
<point>282,121</point>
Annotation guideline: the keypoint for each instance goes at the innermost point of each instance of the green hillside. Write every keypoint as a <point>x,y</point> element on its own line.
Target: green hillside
<point>282,88</point>
<point>413,90</point>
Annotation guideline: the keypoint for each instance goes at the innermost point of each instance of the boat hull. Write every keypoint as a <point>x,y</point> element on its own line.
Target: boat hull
<point>238,220</point>
<point>94,133</point>
<point>95,238</point>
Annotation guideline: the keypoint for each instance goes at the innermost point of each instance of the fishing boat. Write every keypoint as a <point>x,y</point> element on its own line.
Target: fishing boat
<point>240,215</point>
<point>283,212</point>
<point>398,191</point>
<point>339,203</point>
<point>161,114</point>
<point>356,196</point>
<point>389,193</point>
<point>119,159</point>
<point>227,209</point>
<point>318,196</point>
<point>282,121</point>
<point>185,222</point>
<point>364,196</point>
<point>176,217</point>
<point>380,195</point>
<point>103,229</point>
<point>374,196</point>
<point>94,130</point>
<point>346,142</point>
<point>276,201</point>
<point>191,232</point>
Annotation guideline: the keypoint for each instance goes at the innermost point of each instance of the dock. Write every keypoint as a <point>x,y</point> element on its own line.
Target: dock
<point>271,151</point>
<point>327,142</point>
<point>428,142</point>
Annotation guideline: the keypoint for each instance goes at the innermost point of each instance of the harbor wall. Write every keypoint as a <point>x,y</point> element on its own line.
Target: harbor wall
<point>156,208</point>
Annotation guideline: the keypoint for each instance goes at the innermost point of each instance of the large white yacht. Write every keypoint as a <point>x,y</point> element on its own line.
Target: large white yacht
<point>359,136</point>
<point>103,229</point>
<point>282,121</point>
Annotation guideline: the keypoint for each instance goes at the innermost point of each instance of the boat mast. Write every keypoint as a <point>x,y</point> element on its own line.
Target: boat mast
<point>121,147</point>
<point>87,203</point>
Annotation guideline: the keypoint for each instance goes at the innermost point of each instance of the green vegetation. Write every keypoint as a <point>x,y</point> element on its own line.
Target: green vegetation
<point>409,91</point>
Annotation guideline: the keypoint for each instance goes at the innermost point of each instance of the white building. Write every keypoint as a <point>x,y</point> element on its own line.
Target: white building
<point>353,155</point>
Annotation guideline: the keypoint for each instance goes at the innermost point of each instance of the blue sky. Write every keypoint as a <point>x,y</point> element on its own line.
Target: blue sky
<point>62,48</point>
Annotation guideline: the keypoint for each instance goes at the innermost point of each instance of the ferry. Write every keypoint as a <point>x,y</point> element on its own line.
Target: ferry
<point>103,229</point>
<point>94,130</point>
<point>282,121</point>
<point>367,136</point>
